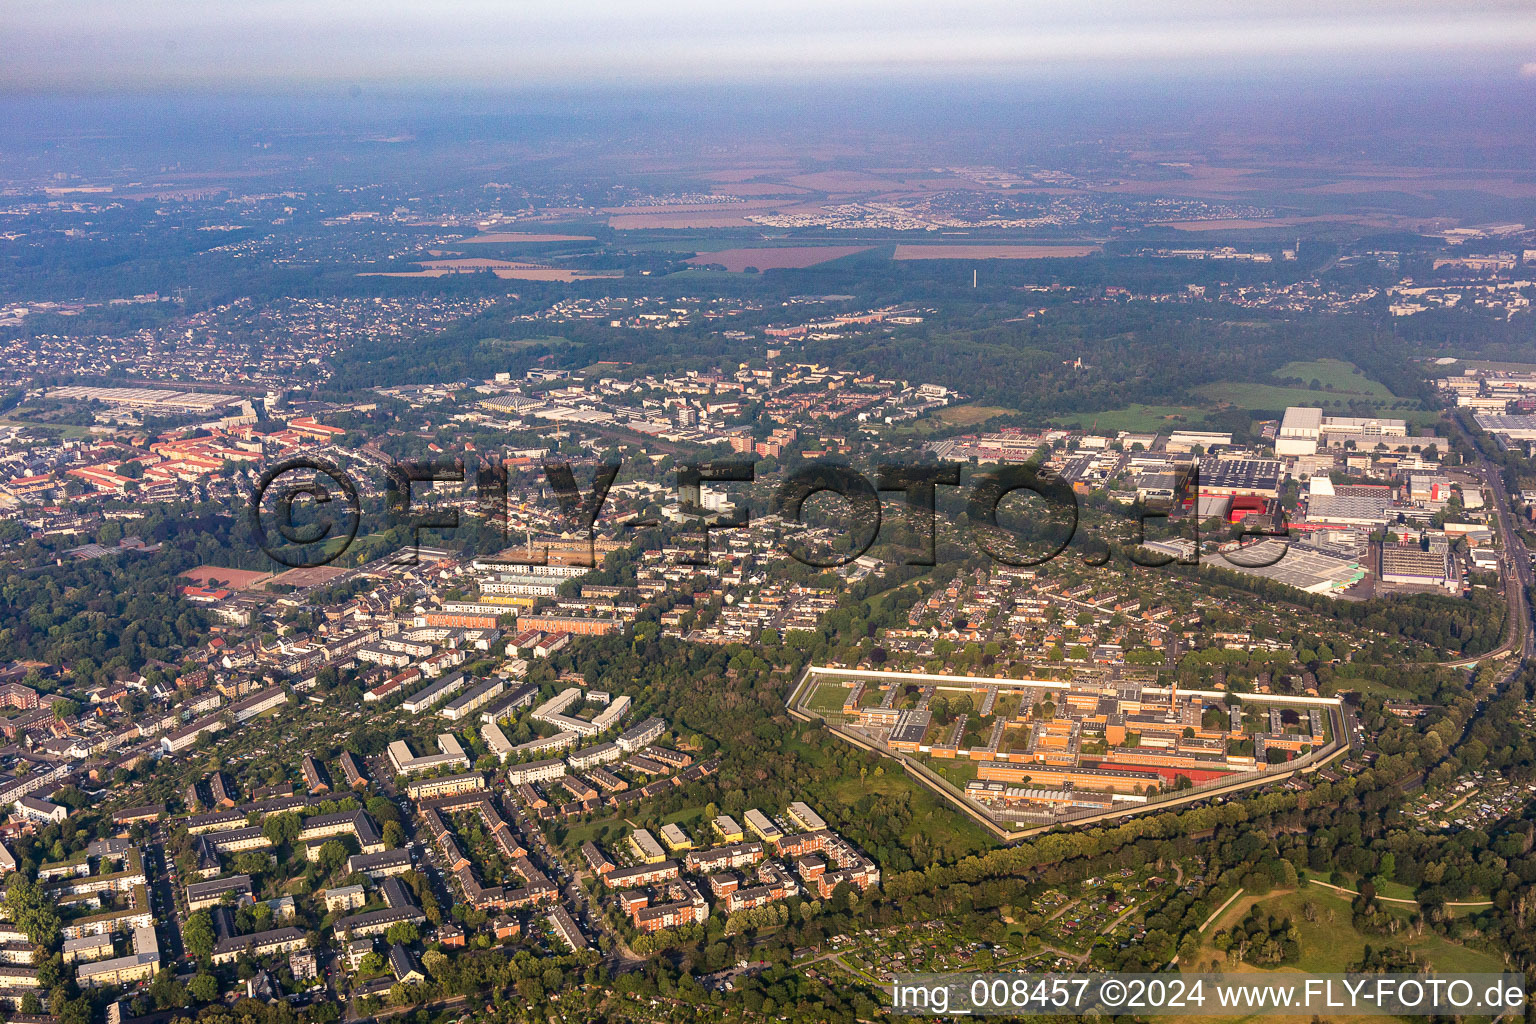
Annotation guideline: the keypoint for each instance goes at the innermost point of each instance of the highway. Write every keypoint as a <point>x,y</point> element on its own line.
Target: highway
<point>1515,566</point>
<point>1516,561</point>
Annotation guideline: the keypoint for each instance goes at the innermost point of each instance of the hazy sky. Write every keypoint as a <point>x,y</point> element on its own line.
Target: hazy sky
<point>109,44</point>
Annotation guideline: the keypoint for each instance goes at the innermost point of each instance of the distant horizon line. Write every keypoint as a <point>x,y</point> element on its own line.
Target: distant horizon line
<point>1080,79</point>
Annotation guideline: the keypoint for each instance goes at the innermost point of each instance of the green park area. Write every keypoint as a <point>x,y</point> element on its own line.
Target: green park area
<point>1328,938</point>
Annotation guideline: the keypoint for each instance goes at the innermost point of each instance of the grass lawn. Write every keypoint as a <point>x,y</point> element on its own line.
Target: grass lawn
<point>951,834</point>
<point>1338,382</point>
<point>685,816</point>
<point>517,344</point>
<point>829,698</point>
<point>1389,889</point>
<point>941,421</point>
<point>1137,418</point>
<point>587,830</point>
<point>580,832</point>
<point>970,414</point>
<point>1371,686</point>
<point>955,769</point>
<point>70,430</point>
<point>1331,945</point>
<point>1334,374</point>
<point>946,828</point>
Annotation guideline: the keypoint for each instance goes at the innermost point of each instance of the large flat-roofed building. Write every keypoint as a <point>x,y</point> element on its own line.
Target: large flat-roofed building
<point>1303,430</point>
<point>472,700</point>
<point>1188,440</point>
<point>266,700</point>
<point>762,826</point>
<point>1367,510</point>
<point>1113,780</point>
<point>1365,431</point>
<point>450,752</point>
<point>1508,428</point>
<point>1300,429</point>
<point>521,697</point>
<point>427,696</point>
<point>1432,489</point>
<point>801,814</point>
<point>180,739</point>
<point>1259,477</point>
<point>1276,559</point>
<point>910,728</point>
<point>142,963</point>
<point>495,740</point>
<point>159,400</point>
<point>645,847</point>
<point>1409,564</point>
<point>676,839</point>
<point>571,624</point>
<point>552,712</point>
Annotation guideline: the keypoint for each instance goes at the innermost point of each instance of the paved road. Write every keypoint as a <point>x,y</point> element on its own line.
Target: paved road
<point>1397,899</point>
<point>1515,565</point>
<point>1515,558</point>
<point>1217,912</point>
<point>162,898</point>
<point>619,959</point>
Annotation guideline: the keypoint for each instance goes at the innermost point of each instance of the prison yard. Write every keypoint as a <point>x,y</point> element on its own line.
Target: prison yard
<point>1036,751</point>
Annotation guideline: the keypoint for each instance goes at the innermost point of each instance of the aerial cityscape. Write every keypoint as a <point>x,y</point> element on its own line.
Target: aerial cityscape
<point>727,539</point>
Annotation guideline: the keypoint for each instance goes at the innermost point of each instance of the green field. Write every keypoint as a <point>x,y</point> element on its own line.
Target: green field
<point>970,414</point>
<point>518,344</point>
<point>1349,386</point>
<point>1334,375</point>
<point>932,815</point>
<point>957,417</point>
<point>957,770</point>
<point>1136,418</point>
<point>828,698</point>
<point>1371,686</point>
<point>1330,945</point>
<point>685,817</point>
<point>1340,385</point>
<point>69,430</point>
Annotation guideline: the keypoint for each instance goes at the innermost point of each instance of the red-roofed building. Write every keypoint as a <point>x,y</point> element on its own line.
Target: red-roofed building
<point>318,431</point>
<point>102,478</point>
